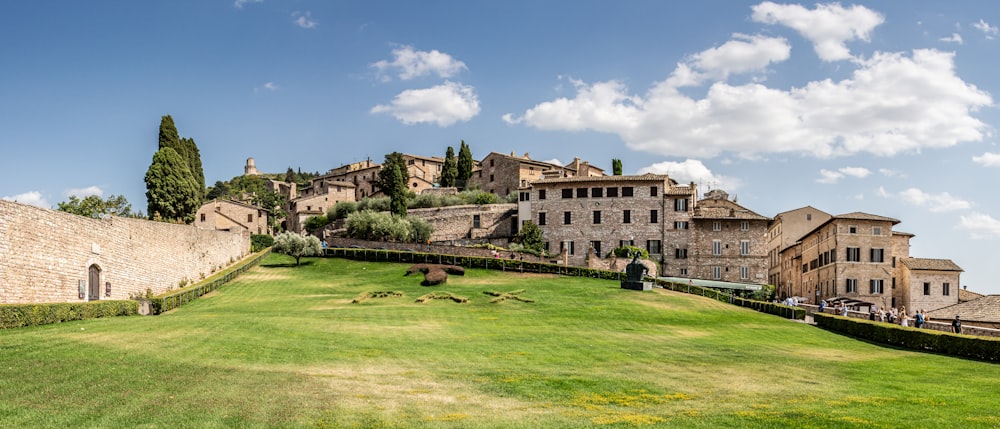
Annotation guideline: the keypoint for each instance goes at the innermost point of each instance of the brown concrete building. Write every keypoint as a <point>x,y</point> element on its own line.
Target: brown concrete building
<point>727,241</point>
<point>503,174</point>
<point>229,215</point>
<point>604,212</point>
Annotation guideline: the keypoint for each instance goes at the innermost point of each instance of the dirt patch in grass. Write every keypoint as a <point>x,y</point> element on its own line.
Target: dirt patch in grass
<point>397,390</point>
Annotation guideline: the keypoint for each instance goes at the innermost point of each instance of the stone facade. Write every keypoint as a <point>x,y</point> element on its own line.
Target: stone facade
<point>503,174</point>
<point>50,256</point>
<point>784,231</point>
<point>727,242</point>
<point>321,198</point>
<point>476,222</point>
<point>232,216</point>
<point>604,212</point>
<point>859,256</point>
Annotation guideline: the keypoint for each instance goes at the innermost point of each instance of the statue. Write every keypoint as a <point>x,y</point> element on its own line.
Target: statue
<point>635,272</point>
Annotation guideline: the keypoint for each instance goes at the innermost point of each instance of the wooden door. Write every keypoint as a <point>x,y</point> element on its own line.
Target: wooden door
<point>94,292</point>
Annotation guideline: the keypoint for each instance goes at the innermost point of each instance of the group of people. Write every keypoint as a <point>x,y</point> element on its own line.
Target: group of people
<point>895,315</point>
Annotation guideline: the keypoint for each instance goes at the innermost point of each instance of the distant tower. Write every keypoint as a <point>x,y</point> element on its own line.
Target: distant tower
<point>250,169</point>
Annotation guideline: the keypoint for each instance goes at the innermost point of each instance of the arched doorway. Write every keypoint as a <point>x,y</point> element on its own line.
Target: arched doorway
<point>94,290</point>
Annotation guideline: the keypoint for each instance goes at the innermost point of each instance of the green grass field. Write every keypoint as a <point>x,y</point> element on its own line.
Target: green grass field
<point>286,347</point>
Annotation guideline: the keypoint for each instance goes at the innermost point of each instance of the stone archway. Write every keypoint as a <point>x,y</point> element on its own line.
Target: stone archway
<point>94,283</point>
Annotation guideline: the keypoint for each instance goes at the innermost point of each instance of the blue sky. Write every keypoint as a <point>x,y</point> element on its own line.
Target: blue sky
<point>882,107</point>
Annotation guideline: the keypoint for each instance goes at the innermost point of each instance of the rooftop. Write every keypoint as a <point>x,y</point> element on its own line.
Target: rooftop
<point>930,264</point>
<point>985,309</point>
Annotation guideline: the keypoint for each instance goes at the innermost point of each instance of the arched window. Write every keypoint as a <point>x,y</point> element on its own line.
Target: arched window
<point>94,283</point>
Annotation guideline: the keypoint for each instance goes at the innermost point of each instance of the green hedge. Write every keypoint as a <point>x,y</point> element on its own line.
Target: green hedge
<point>981,348</point>
<point>785,311</point>
<point>18,315</point>
<point>171,300</point>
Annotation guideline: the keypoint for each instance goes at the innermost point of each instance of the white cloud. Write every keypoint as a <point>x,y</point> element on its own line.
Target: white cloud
<point>741,55</point>
<point>84,192</point>
<point>411,64</point>
<point>980,226</point>
<point>444,105</point>
<point>892,103</point>
<point>859,172</point>
<point>267,86</point>
<point>239,3</point>
<point>882,192</point>
<point>692,170</point>
<point>555,161</point>
<point>304,20</point>
<point>831,177</point>
<point>987,29</point>
<point>954,38</point>
<point>988,159</point>
<point>829,26</point>
<point>942,202</point>
<point>33,198</point>
<point>890,173</point>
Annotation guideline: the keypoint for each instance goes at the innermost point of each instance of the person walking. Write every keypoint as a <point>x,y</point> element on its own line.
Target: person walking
<point>956,325</point>
<point>919,323</point>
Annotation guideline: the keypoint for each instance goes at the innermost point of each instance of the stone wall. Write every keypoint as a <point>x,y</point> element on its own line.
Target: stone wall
<point>45,254</point>
<point>453,223</point>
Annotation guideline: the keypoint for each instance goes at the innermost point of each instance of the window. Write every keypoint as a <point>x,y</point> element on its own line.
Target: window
<point>597,217</point>
<point>567,193</point>
<point>596,245</point>
<point>805,267</point>
<point>852,230</point>
<point>626,191</point>
<point>524,196</point>
<point>877,255</point>
<point>716,272</point>
<point>653,246</point>
<point>567,218</point>
<point>946,289</point>
<point>203,217</point>
<point>876,230</point>
<point>716,226</point>
<point>563,246</point>
<point>546,246</point>
<point>475,221</point>
<point>927,288</point>
<point>491,179</point>
<point>623,243</point>
<point>681,225</point>
<point>541,194</point>
<point>627,216</point>
<point>681,205</point>
<point>853,254</point>
<point>597,192</point>
<point>852,285</point>
<point>491,163</point>
<point>541,218</point>
<point>654,216</point>
<point>653,191</point>
<point>876,285</point>
<point>809,216</point>
<point>744,272</point>
<point>612,192</point>
<point>681,253</point>
<point>744,247</point>
<point>581,192</point>
<point>744,226</point>
<point>249,217</point>
<point>716,247</point>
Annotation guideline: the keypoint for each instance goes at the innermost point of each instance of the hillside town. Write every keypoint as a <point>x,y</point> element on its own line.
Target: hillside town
<point>855,260</point>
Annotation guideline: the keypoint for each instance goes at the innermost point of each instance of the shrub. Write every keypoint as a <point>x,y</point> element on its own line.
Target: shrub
<point>380,204</point>
<point>297,246</point>
<point>260,242</point>
<point>368,225</point>
<point>341,210</point>
<point>19,315</point>
<point>316,222</point>
<point>987,349</point>
<point>628,251</point>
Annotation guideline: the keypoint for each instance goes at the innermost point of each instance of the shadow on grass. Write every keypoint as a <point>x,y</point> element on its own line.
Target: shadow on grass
<point>286,264</point>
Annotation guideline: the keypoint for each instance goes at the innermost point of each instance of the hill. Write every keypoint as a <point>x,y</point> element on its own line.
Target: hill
<point>288,347</point>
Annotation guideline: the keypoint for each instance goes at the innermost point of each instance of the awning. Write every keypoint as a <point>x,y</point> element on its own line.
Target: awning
<point>715,284</point>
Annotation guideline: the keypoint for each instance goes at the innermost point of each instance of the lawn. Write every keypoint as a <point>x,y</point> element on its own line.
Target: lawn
<point>285,347</point>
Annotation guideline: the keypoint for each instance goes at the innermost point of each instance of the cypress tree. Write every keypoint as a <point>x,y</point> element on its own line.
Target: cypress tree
<point>449,173</point>
<point>616,166</point>
<point>392,180</point>
<point>464,164</point>
<point>171,193</point>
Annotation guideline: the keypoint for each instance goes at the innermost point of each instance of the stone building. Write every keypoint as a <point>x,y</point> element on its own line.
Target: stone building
<point>604,212</point>
<point>226,215</point>
<point>360,174</point>
<point>858,256</point>
<point>983,312</point>
<point>320,198</point>
<point>494,223</point>
<point>727,242</point>
<point>786,229</point>
<point>503,174</point>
